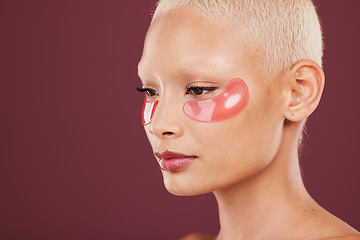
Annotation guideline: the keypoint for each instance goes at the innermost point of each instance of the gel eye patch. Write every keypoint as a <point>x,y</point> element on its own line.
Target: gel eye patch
<point>148,111</point>
<point>221,107</point>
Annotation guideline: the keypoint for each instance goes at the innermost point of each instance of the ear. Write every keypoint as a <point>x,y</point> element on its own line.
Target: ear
<point>306,82</point>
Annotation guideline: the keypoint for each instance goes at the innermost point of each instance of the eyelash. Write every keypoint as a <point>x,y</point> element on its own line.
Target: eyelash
<point>149,92</point>
<point>189,90</point>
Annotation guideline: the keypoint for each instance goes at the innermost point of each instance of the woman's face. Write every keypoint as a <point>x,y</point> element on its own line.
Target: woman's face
<point>184,50</point>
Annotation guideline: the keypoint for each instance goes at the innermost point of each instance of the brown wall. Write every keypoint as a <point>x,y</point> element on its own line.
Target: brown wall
<point>74,160</point>
<point>331,162</point>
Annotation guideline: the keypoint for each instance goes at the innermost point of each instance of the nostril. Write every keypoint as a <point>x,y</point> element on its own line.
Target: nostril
<point>167,133</point>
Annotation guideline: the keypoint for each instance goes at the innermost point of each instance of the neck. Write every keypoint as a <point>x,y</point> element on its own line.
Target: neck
<point>265,204</point>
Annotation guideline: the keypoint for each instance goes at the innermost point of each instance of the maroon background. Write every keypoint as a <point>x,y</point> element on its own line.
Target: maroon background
<point>75,162</point>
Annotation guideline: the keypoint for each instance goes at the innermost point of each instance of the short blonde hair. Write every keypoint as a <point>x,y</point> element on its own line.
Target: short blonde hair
<point>284,32</point>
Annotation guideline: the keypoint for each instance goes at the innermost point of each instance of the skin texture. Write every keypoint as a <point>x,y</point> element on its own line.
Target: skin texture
<point>250,161</point>
<point>221,107</point>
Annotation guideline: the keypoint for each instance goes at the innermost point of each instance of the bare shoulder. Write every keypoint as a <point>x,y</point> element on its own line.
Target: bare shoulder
<point>338,230</point>
<point>198,236</point>
<point>319,224</point>
<point>348,237</point>
<point>326,226</point>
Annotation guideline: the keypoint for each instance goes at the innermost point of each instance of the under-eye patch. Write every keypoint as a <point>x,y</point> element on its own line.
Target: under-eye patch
<point>148,111</point>
<point>226,105</point>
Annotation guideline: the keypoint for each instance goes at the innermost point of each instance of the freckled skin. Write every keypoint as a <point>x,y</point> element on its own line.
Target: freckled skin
<point>224,106</point>
<point>249,161</point>
<point>230,157</point>
<point>219,108</point>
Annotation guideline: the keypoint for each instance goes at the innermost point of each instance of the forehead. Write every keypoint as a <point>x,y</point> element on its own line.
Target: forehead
<point>186,41</point>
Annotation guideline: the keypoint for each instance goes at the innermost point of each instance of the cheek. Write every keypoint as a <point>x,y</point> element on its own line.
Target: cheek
<point>148,111</point>
<point>222,107</point>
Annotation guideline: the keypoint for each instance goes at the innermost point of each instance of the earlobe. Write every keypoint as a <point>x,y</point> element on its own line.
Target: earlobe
<point>306,80</point>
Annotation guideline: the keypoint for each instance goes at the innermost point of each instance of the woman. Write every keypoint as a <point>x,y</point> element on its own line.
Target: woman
<point>229,85</point>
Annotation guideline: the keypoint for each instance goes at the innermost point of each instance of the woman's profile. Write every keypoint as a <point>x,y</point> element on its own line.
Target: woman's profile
<point>228,88</point>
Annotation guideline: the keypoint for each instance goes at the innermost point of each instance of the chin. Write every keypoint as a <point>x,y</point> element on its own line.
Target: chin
<point>182,186</point>
<point>183,192</point>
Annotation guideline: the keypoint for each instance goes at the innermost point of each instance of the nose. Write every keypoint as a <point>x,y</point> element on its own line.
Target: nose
<point>166,121</point>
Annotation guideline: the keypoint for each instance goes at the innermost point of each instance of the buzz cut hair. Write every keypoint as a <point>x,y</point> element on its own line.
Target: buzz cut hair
<point>283,32</point>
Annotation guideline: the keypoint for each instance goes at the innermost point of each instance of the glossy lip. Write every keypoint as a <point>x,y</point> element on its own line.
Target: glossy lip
<point>173,161</point>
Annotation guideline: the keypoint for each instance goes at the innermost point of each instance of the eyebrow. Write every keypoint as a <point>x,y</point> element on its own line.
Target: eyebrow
<point>141,71</point>
<point>197,68</point>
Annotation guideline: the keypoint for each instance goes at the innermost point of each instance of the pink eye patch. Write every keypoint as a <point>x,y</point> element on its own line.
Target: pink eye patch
<point>148,111</point>
<point>221,107</point>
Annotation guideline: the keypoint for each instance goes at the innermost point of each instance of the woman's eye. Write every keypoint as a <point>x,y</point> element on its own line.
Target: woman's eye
<point>148,91</point>
<point>198,90</point>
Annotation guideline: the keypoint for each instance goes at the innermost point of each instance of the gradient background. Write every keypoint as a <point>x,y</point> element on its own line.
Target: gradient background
<point>74,159</point>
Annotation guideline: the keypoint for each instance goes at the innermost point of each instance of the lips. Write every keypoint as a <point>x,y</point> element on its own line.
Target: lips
<point>173,161</point>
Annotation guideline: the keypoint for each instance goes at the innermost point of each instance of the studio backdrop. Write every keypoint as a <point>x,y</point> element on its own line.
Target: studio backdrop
<point>74,159</point>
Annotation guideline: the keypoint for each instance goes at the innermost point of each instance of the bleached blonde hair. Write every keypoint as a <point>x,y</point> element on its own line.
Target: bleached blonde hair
<point>282,31</point>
